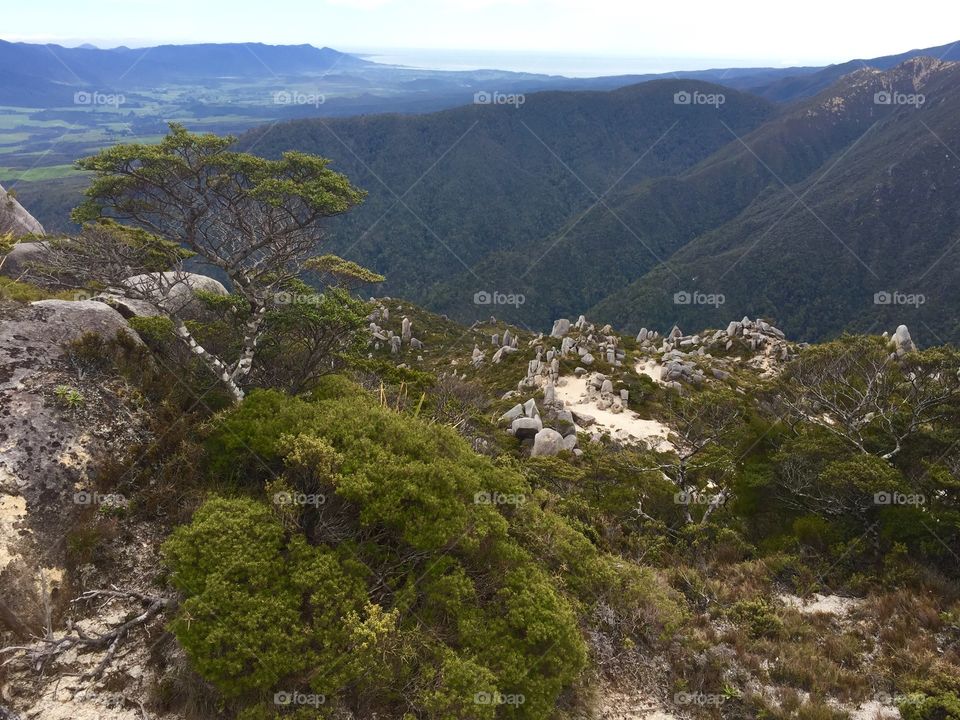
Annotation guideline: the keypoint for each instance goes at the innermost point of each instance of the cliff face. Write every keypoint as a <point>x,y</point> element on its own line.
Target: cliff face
<point>15,219</point>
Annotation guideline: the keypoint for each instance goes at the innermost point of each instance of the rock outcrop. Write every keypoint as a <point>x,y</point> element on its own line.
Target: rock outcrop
<point>16,264</point>
<point>39,460</point>
<point>56,421</point>
<point>15,219</point>
<point>172,292</point>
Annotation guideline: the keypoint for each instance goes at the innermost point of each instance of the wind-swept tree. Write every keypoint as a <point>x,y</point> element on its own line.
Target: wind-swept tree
<point>256,220</point>
<point>707,428</point>
<point>857,389</point>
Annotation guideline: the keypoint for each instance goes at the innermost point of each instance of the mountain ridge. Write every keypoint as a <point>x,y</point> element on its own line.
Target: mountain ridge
<point>889,197</point>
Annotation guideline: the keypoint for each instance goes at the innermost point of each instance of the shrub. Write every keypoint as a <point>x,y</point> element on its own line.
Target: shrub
<point>427,588</point>
<point>759,617</point>
<point>923,707</point>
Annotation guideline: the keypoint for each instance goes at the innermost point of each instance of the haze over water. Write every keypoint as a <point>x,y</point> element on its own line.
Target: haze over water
<point>557,64</point>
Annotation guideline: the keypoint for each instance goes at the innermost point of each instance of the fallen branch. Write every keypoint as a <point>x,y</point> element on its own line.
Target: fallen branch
<point>49,648</point>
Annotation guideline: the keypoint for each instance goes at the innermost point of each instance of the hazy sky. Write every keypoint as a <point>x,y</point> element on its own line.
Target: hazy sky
<point>761,31</point>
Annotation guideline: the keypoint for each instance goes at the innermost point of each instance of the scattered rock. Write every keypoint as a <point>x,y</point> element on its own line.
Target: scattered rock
<point>547,442</point>
<point>526,427</point>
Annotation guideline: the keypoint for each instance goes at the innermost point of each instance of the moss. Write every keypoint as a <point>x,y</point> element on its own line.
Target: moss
<point>24,292</point>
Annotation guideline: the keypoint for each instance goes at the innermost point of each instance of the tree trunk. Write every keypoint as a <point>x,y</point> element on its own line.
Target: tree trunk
<point>210,360</point>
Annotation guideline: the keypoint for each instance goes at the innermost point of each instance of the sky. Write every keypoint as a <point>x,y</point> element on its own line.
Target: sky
<point>620,34</point>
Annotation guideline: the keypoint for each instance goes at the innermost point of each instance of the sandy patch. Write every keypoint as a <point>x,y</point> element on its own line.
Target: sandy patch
<point>875,710</point>
<point>625,426</point>
<point>13,509</point>
<point>827,604</point>
<point>651,368</point>
<point>621,706</point>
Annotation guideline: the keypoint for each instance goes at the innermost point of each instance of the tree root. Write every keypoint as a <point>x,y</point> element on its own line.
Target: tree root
<point>45,649</point>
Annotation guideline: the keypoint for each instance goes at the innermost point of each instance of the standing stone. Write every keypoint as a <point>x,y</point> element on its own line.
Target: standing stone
<point>530,408</point>
<point>902,341</point>
<point>550,394</point>
<point>406,330</point>
<point>560,328</point>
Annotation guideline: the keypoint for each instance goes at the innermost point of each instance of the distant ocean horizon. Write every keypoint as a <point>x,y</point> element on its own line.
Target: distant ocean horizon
<point>555,64</point>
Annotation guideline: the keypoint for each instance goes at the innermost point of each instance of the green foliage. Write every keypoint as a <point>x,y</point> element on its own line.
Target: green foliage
<point>68,397</point>
<point>343,271</point>
<point>921,707</point>
<point>24,292</point>
<point>431,585</point>
<point>7,240</point>
<point>262,605</point>
<point>758,616</point>
<point>124,172</point>
<point>402,475</point>
<point>455,687</point>
<point>314,334</point>
<point>153,330</point>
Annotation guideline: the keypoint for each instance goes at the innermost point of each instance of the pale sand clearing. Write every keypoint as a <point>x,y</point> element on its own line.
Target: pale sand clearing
<point>13,509</point>
<point>626,426</point>
<point>651,368</point>
<point>828,604</point>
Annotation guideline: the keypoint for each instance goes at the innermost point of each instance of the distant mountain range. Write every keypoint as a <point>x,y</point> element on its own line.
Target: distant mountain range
<point>44,76</point>
<point>48,75</point>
